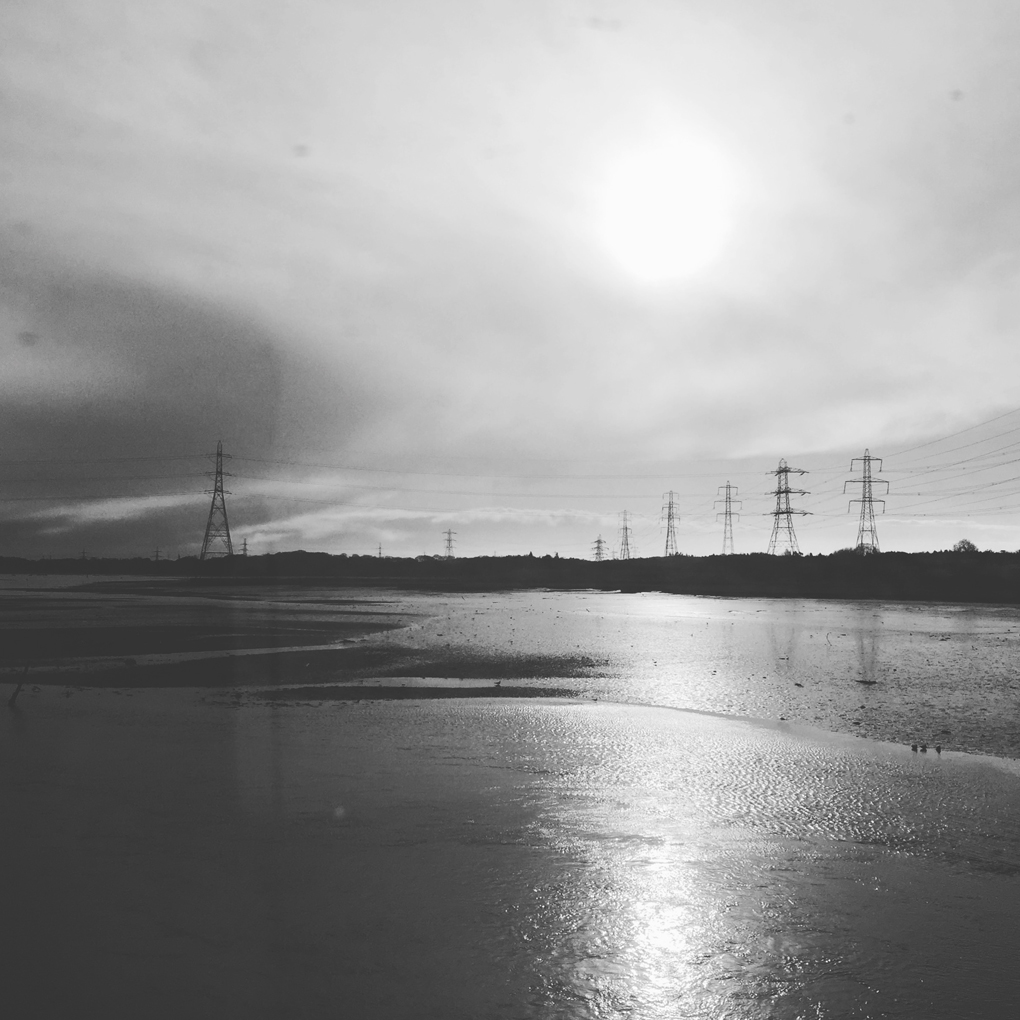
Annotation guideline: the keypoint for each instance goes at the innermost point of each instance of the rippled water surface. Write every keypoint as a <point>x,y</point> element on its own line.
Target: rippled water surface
<point>494,859</point>
<point>202,852</point>
<point>905,672</point>
<point>652,863</point>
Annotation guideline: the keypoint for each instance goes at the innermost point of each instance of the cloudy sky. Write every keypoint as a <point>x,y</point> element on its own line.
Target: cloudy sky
<point>507,268</point>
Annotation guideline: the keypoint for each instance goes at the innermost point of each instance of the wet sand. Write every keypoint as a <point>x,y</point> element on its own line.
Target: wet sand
<point>903,672</point>
<point>168,853</point>
<point>437,814</point>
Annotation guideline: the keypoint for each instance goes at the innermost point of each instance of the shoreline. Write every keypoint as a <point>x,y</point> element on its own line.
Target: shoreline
<point>839,667</point>
<point>404,689</point>
<point>262,859</point>
<point>980,577</point>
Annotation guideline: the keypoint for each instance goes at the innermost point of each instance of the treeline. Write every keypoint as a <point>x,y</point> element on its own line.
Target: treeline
<point>937,576</point>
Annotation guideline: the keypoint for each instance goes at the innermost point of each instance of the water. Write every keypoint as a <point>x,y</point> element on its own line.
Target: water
<point>569,859</point>
<point>892,671</point>
<point>597,861</point>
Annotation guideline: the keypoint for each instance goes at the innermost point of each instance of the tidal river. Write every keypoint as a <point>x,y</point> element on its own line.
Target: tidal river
<point>699,831</point>
<point>940,674</point>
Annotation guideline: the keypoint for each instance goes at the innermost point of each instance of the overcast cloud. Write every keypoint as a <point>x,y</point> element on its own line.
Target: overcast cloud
<point>366,235</point>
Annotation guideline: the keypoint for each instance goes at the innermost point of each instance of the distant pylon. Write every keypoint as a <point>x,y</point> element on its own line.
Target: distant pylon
<point>217,530</point>
<point>449,543</point>
<point>244,547</point>
<point>624,537</point>
<point>783,538</point>
<point>867,535</point>
<point>727,515</point>
<point>598,549</point>
<point>669,512</point>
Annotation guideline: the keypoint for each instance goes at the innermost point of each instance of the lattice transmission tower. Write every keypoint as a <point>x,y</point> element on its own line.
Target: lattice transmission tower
<point>449,543</point>
<point>783,539</point>
<point>624,537</point>
<point>727,513</point>
<point>598,549</point>
<point>867,535</point>
<point>217,530</point>
<point>670,514</point>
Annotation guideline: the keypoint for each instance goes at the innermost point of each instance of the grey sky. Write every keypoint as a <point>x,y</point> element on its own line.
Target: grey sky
<point>366,234</point>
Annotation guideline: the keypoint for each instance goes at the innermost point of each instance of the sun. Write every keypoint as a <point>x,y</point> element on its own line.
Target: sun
<point>665,211</point>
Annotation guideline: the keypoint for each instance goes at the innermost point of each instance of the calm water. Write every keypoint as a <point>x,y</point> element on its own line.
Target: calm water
<point>595,861</point>
<point>487,859</point>
<point>901,672</point>
<point>565,859</point>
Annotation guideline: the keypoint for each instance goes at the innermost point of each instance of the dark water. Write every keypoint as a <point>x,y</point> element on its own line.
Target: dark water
<point>186,852</point>
<point>495,859</point>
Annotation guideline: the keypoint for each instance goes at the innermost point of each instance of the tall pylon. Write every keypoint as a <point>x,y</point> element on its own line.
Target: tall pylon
<point>783,539</point>
<point>624,537</point>
<point>867,535</point>
<point>727,513</point>
<point>217,530</point>
<point>449,543</point>
<point>598,549</point>
<point>670,513</point>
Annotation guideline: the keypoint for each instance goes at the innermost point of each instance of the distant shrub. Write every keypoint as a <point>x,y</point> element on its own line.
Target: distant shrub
<point>965,545</point>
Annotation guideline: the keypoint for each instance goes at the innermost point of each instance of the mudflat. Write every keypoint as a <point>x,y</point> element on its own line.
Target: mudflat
<point>401,820</point>
<point>177,853</point>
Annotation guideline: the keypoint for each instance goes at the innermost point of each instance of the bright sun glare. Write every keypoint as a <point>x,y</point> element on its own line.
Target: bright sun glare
<point>666,211</point>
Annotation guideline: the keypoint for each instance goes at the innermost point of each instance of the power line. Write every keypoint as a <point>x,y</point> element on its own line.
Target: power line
<point>97,460</point>
<point>953,435</point>
<point>867,534</point>
<point>559,476</point>
<point>69,498</point>
<point>624,537</point>
<point>783,535</point>
<point>669,509</point>
<point>217,530</point>
<point>727,501</point>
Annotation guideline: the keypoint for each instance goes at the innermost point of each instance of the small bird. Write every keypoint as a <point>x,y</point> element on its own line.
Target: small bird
<point>498,683</point>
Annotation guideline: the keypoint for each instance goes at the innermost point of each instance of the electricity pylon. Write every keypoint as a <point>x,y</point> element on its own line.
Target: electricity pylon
<point>669,512</point>
<point>867,535</point>
<point>217,530</point>
<point>599,549</point>
<point>624,537</point>
<point>727,515</point>
<point>449,543</point>
<point>782,530</point>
